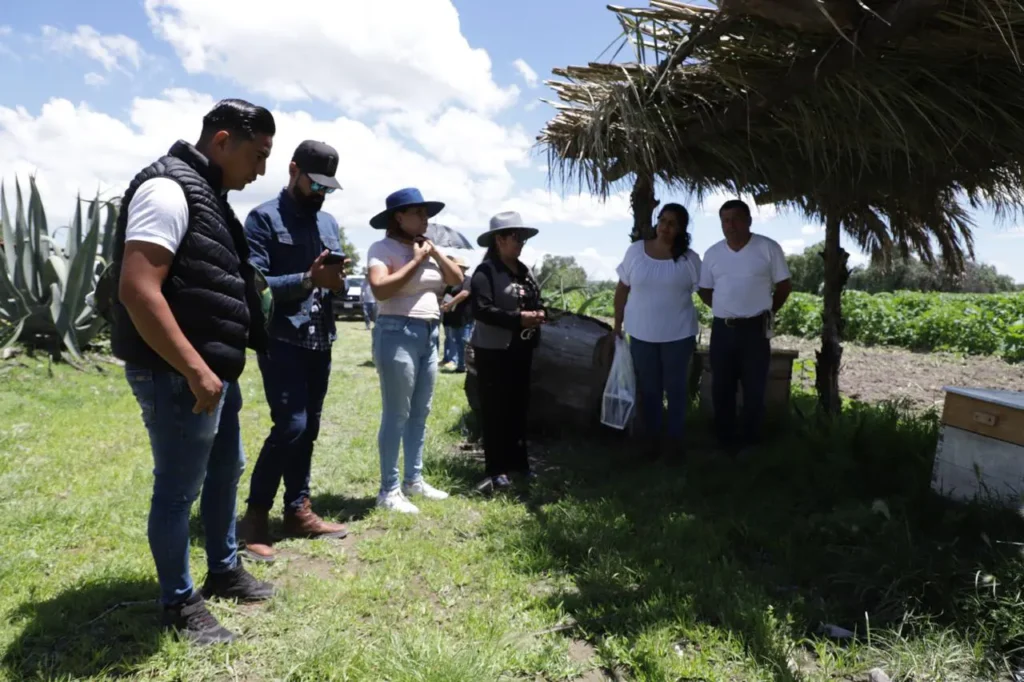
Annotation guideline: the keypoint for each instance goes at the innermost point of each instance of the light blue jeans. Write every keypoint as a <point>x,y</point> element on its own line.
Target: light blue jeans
<point>190,452</point>
<point>405,353</point>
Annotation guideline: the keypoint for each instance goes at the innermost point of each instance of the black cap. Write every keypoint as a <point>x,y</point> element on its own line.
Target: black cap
<point>319,161</point>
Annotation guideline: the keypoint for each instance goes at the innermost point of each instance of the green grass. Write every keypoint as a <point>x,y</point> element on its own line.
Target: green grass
<point>711,571</point>
<point>974,324</point>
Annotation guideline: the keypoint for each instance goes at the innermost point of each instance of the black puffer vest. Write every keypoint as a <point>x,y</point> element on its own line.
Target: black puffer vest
<point>208,286</point>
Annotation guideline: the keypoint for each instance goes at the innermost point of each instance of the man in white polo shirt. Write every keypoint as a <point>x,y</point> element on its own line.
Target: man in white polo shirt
<point>745,280</point>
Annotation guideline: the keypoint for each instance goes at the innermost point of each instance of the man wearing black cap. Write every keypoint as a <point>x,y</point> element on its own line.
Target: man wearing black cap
<point>295,245</point>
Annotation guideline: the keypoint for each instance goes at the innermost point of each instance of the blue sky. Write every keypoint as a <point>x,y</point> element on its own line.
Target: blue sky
<point>429,96</point>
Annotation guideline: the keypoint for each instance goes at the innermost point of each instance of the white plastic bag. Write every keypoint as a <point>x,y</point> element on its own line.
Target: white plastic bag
<point>620,389</point>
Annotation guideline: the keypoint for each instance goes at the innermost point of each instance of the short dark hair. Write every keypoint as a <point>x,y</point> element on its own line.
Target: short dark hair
<point>736,204</point>
<point>682,241</point>
<point>238,117</point>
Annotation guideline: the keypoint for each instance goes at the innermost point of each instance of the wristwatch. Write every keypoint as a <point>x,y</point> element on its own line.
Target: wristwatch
<point>307,281</point>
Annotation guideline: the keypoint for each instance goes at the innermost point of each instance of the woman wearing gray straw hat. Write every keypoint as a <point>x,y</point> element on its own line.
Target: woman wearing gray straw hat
<point>509,311</point>
<point>407,275</point>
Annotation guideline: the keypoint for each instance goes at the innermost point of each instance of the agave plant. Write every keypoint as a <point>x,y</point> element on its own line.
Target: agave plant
<point>45,289</point>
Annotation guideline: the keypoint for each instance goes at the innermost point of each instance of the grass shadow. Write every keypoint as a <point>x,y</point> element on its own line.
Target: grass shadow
<point>74,636</point>
<point>342,508</point>
<point>831,522</point>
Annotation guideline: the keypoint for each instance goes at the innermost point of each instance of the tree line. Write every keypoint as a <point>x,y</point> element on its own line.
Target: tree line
<point>808,270</point>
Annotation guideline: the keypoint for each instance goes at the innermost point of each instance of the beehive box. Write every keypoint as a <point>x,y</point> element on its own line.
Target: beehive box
<point>980,454</point>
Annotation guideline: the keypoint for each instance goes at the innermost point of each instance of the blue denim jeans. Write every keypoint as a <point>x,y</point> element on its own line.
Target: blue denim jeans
<point>190,451</point>
<point>663,368</point>
<point>369,313</point>
<point>405,353</point>
<point>455,340</point>
<point>295,383</point>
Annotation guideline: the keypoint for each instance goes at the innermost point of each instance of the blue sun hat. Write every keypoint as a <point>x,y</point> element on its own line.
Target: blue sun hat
<point>403,199</point>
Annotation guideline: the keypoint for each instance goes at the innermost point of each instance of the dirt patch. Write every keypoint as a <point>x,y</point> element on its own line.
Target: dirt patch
<point>874,373</point>
<point>580,651</point>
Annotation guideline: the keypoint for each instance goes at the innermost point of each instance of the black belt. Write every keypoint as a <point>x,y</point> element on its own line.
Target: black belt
<point>741,321</point>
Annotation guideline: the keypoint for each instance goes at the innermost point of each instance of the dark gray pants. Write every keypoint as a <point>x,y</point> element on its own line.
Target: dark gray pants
<point>740,355</point>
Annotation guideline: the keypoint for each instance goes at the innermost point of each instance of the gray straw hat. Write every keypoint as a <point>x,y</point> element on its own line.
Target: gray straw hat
<point>505,222</point>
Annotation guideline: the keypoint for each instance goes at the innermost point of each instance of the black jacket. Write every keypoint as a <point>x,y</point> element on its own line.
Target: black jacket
<point>210,286</point>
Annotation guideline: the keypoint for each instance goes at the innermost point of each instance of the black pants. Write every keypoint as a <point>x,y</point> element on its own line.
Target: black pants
<point>504,380</point>
<point>295,383</point>
<point>740,354</point>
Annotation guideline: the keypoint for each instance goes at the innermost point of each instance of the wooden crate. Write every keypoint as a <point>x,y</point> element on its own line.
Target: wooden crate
<point>980,454</point>
<point>780,378</point>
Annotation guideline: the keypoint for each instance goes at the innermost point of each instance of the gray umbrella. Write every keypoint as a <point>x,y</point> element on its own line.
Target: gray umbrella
<point>447,237</point>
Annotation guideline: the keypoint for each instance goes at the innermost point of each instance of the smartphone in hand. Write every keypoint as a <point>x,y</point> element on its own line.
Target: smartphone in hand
<point>334,258</point>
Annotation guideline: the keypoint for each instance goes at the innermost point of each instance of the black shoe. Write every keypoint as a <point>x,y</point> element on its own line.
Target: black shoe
<point>192,621</point>
<point>500,483</point>
<point>238,585</point>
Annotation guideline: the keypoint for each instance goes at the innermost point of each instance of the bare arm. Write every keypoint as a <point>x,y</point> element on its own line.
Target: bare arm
<point>456,300</point>
<point>143,271</point>
<point>706,295</point>
<point>782,291</point>
<point>386,284</point>
<point>452,273</point>
<point>621,296</point>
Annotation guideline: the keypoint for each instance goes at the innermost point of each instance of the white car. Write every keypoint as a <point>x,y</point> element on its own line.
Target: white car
<point>349,304</point>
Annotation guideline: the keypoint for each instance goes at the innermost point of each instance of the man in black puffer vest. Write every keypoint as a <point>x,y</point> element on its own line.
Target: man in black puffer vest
<point>186,309</point>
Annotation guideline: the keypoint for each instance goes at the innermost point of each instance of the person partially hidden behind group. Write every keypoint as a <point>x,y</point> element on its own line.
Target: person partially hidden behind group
<point>458,322</point>
<point>654,301</point>
<point>184,313</point>
<point>745,280</point>
<point>408,275</point>
<point>509,312</point>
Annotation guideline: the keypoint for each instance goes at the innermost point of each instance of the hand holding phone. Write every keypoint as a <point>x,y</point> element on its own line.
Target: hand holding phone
<point>326,270</point>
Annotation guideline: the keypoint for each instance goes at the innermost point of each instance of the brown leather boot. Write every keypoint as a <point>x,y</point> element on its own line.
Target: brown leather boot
<point>254,532</point>
<point>303,523</point>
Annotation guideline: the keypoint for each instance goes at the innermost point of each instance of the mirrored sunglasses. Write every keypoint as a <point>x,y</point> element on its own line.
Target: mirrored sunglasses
<point>317,187</point>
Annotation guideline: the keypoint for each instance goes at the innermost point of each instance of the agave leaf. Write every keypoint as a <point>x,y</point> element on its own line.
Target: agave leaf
<point>10,331</point>
<point>7,232</point>
<point>80,282</point>
<point>65,331</point>
<point>39,230</point>
<point>75,230</point>
<point>24,277</point>
<point>55,271</point>
<point>107,248</point>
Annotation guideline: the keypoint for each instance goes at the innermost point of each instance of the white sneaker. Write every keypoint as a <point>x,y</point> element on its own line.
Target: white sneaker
<point>396,501</point>
<point>425,489</point>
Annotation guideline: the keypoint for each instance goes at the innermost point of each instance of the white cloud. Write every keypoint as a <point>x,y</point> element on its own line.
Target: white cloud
<point>542,207</point>
<point>790,246</point>
<point>527,72</point>
<point>75,148</point>
<point>412,57</point>
<point>94,79</point>
<point>112,51</point>
<point>5,50</point>
<point>812,229</point>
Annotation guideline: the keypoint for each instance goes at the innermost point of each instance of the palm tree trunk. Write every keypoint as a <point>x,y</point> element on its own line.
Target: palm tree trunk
<point>643,203</point>
<point>831,353</point>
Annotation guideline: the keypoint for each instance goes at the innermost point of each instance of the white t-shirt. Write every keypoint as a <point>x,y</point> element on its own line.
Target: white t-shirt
<point>158,214</point>
<point>660,304</point>
<point>743,280</point>
<point>418,298</point>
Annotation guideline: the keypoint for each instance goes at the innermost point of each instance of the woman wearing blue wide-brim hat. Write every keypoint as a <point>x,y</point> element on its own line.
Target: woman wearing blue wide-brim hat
<point>407,275</point>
